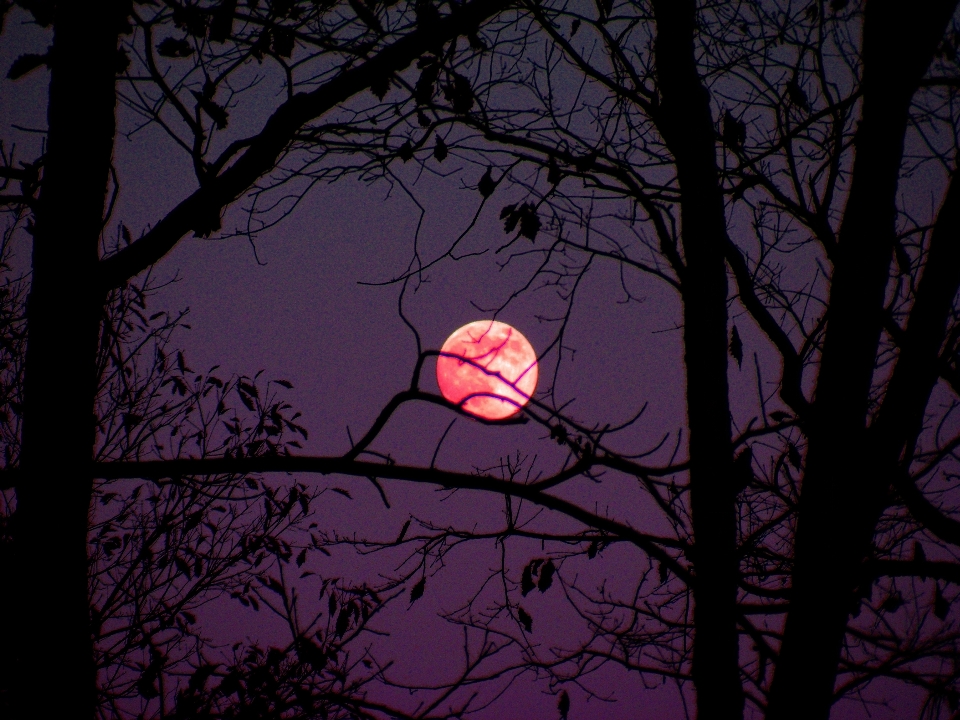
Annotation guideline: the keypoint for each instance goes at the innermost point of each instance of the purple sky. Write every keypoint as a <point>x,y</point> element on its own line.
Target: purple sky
<point>304,317</point>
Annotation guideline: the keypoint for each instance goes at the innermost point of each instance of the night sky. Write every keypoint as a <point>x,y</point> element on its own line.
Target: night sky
<point>303,305</point>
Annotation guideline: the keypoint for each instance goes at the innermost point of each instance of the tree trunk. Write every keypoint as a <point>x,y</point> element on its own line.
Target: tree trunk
<point>845,487</point>
<point>685,122</point>
<point>53,643</point>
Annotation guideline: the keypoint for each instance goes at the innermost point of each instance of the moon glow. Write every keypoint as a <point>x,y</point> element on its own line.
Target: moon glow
<point>507,375</point>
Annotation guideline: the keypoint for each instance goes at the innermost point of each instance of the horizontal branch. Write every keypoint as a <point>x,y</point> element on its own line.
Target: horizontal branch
<point>160,469</point>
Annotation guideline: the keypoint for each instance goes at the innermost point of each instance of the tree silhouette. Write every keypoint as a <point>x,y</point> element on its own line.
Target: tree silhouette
<point>764,162</point>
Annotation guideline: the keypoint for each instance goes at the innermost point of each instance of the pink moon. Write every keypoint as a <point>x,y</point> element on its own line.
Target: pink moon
<point>507,375</point>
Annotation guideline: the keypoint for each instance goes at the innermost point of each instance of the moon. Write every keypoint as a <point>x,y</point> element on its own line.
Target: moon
<point>507,375</point>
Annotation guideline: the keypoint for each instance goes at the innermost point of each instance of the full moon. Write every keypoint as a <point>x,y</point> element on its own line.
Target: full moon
<point>509,369</point>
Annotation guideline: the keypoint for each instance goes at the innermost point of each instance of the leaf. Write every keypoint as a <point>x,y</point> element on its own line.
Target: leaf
<point>440,150</point>
<point>174,48</point>
<point>486,185</point>
<point>417,592</point>
<point>736,346</point>
<point>563,704</point>
<point>302,557</point>
<point>272,584</point>
<point>546,576</point>
<point>216,112</point>
<point>893,602</point>
<point>426,84</point>
<point>146,686</point>
<point>403,531</point>
<point>734,131</point>
<point>793,455</point>
<point>779,416</point>
<point>919,556</point>
<point>592,549</point>
<point>422,120</point>
<point>343,621</point>
<point>332,604</point>
<point>343,492</point>
<point>529,221</point>
<point>574,26</point>
<point>283,42</point>
<point>476,42</point>
<point>941,606</point>
<point>405,152</point>
<point>664,572</point>
<point>526,580</point>
<point>554,174</point>
<point>284,383</point>
<point>525,619</point>
<point>461,94</point>
<point>26,63</point>
<point>796,95</point>
<point>221,21</point>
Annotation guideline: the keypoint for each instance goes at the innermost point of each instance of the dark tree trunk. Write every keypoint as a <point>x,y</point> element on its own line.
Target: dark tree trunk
<point>53,645</point>
<point>685,122</point>
<point>846,484</point>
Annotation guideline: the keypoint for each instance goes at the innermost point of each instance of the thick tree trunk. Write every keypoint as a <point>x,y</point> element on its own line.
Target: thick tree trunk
<point>845,486</point>
<point>685,122</point>
<point>53,644</point>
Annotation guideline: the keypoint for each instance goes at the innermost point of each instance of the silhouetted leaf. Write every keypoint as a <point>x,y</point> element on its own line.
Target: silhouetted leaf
<point>380,86</point>
<point>892,603</point>
<point>574,26</point>
<point>529,221</point>
<point>918,553</point>
<point>440,150</point>
<point>343,621</point>
<point>284,383</point>
<point>546,576</point>
<point>793,455</point>
<point>146,686</point>
<point>332,604</point>
<point>422,120</point>
<point>663,572</point>
<point>172,48</point>
<point>426,84</point>
<point>563,704</point>
<point>403,531</point>
<point>525,619</point>
<point>216,113</point>
<point>526,581</point>
<point>417,592</point>
<point>486,185</point>
<point>941,606</point>
<point>779,416</point>
<point>592,549</point>
<point>405,152</point>
<point>343,492</point>
<point>221,22</point>
<point>796,95</point>
<point>554,175</point>
<point>734,131</point>
<point>736,346</point>
<point>460,94</point>
<point>302,557</point>
<point>190,18</point>
<point>476,42</point>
